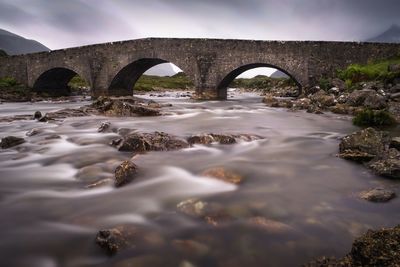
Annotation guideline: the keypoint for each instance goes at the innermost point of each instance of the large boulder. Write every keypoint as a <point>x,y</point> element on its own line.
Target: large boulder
<point>223,139</point>
<point>367,98</point>
<point>364,145</point>
<point>11,141</point>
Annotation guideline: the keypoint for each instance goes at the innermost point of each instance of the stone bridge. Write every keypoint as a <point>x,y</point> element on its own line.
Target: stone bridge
<point>211,64</point>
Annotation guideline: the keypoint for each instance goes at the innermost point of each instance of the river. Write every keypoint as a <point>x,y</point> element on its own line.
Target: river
<point>49,217</point>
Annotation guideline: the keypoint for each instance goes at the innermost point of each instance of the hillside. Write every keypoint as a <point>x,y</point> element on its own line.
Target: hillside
<point>14,44</point>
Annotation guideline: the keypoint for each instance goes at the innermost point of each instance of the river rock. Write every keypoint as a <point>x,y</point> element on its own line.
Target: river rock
<point>363,145</point>
<point>322,99</point>
<point>33,132</point>
<point>338,83</point>
<point>223,139</point>
<point>125,173</point>
<point>378,195</point>
<point>395,143</point>
<point>123,107</point>
<point>122,237</point>
<point>223,174</point>
<point>389,167</point>
<point>190,247</point>
<point>104,127</point>
<point>11,141</point>
<point>157,141</point>
<point>211,213</point>
<point>37,115</point>
<point>375,101</point>
<point>358,97</point>
<point>377,248</point>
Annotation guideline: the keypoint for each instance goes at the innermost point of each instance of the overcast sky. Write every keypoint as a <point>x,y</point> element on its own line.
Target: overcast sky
<point>67,23</point>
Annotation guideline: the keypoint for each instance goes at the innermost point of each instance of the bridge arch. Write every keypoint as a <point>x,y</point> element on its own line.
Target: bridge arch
<point>228,77</point>
<point>54,81</point>
<point>123,82</point>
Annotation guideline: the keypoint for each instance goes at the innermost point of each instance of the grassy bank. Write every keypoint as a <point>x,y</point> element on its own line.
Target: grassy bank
<point>261,82</point>
<point>374,71</point>
<point>11,90</point>
<point>148,83</point>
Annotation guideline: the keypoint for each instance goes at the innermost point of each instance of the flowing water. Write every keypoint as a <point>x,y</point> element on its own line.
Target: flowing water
<point>50,218</point>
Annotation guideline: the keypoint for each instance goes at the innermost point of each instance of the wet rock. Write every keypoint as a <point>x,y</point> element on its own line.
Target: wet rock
<point>223,174</point>
<point>125,173</point>
<point>389,167</point>
<point>334,91</point>
<point>123,107</point>
<point>157,141</point>
<point>127,237</point>
<point>37,115</point>
<point>363,145</point>
<point>377,248</point>
<point>314,109</point>
<point>33,132</point>
<point>274,102</point>
<point>193,207</point>
<point>378,195</point>
<point>211,213</point>
<point>104,127</point>
<point>270,226</point>
<point>395,89</point>
<point>340,109</point>
<point>223,139</point>
<point>11,141</point>
<point>302,103</point>
<point>341,99</point>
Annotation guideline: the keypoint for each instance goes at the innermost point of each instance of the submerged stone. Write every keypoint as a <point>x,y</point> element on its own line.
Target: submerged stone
<point>378,195</point>
<point>223,174</point>
<point>11,141</point>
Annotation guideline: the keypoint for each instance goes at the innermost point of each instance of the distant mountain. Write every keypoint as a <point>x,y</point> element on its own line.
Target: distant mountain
<point>14,44</point>
<point>165,69</point>
<point>392,35</point>
<point>278,74</point>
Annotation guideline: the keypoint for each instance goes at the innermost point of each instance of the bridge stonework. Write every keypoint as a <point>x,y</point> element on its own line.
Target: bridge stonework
<point>211,64</point>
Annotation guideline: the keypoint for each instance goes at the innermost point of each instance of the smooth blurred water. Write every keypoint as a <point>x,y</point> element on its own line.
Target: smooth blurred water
<point>50,218</point>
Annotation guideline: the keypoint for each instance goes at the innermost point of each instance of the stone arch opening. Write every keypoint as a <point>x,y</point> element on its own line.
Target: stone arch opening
<point>139,71</point>
<point>60,82</point>
<point>222,88</point>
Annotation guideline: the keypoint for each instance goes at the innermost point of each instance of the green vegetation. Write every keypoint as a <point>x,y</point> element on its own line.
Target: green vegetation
<point>11,90</point>
<point>77,82</point>
<point>324,84</point>
<point>369,117</point>
<point>261,82</point>
<point>378,70</point>
<point>178,81</point>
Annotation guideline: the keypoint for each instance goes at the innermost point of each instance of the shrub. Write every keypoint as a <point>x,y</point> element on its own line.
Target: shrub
<point>8,82</point>
<point>368,117</point>
<point>324,84</point>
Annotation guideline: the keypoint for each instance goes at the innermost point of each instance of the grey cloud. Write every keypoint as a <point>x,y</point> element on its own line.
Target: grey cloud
<point>75,22</point>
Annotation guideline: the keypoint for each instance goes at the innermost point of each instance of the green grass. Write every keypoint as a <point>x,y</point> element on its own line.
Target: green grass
<point>77,82</point>
<point>150,83</point>
<point>7,82</point>
<point>369,117</point>
<point>10,87</point>
<point>261,82</point>
<point>378,70</point>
